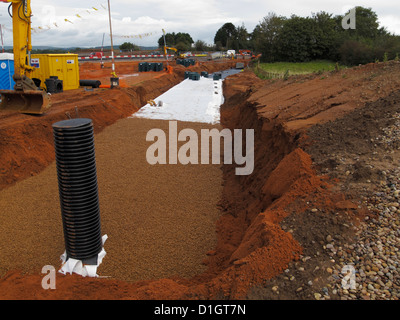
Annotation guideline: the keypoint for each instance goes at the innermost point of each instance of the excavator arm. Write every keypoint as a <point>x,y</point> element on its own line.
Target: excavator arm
<point>26,96</point>
<point>169,48</point>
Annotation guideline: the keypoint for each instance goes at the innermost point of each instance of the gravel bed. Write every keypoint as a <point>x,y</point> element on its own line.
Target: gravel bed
<point>369,267</point>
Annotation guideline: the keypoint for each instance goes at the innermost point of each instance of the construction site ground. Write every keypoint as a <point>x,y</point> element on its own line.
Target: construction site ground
<point>322,143</point>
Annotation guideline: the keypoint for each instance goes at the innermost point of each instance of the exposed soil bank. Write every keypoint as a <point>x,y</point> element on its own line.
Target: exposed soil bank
<point>274,218</point>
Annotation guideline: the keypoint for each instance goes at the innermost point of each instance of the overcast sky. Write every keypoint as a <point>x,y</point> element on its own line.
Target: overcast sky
<point>85,25</point>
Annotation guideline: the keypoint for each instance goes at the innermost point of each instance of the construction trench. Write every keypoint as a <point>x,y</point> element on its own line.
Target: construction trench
<point>187,231</point>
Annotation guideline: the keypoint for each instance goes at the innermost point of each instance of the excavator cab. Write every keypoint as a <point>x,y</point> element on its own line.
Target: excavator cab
<point>26,96</point>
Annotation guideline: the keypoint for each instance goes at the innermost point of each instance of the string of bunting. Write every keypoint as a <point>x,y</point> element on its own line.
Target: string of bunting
<point>136,36</point>
<point>84,14</point>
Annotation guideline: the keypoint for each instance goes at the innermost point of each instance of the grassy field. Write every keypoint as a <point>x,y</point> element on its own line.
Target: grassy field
<point>285,69</point>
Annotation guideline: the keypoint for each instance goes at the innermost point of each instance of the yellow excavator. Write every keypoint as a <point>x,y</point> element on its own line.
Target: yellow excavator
<point>26,96</point>
<point>169,48</point>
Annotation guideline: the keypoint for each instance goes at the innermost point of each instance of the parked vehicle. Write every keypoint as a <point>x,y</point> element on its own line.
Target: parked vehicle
<point>98,55</point>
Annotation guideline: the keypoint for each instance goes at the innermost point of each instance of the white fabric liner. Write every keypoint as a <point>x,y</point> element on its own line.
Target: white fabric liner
<point>190,100</point>
<point>76,266</point>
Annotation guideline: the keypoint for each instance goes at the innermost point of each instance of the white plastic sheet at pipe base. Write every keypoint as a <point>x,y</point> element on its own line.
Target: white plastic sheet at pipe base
<point>76,266</point>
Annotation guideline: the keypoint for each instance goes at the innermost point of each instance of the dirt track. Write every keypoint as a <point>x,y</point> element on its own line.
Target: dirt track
<point>272,219</point>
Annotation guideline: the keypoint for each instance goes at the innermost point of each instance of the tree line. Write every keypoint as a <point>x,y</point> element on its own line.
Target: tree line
<point>319,36</point>
<point>300,39</point>
<point>322,36</point>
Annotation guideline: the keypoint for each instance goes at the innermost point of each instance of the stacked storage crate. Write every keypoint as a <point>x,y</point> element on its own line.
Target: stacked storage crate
<point>150,66</point>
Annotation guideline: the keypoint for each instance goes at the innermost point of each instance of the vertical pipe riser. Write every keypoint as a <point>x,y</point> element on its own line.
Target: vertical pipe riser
<point>78,190</point>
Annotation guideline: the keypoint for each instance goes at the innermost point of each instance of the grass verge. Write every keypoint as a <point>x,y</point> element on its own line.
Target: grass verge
<point>283,70</point>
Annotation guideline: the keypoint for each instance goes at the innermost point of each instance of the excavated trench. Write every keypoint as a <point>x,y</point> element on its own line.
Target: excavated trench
<point>250,245</point>
<point>247,247</point>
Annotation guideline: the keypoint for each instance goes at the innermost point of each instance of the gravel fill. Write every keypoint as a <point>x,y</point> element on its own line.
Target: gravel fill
<point>160,219</point>
<point>367,163</point>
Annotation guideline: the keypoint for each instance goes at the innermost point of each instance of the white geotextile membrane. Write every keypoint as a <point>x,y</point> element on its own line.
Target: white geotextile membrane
<point>190,100</point>
<point>76,266</point>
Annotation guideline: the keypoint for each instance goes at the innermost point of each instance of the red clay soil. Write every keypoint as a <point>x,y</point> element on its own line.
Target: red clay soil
<point>252,247</point>
<point>127,71</point>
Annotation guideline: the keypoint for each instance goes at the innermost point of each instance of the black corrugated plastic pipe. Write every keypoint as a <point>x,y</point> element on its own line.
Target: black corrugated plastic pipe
<point>90,83</point>
<point>78,190</point>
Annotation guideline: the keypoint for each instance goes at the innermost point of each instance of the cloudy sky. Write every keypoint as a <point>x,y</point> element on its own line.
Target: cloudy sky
<point>83,23</point>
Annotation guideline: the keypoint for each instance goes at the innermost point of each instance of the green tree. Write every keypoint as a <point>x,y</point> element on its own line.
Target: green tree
<point>297,39</point>
<point>265,37</point>
<point>169,39</point>
<point>200,45</point>
<point>241,40</point>
<point>307,38</point>
<point>172,39</point>
<point>128,46</point>
<point>182,46</point>
<point>326,36</point>
<point>367,25</point>
<point>389,44</point>
<point>225,35</point>
<point>321,36</point>
<point>184,37</point>
<point>367,42</point>
<point>354,52</point>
